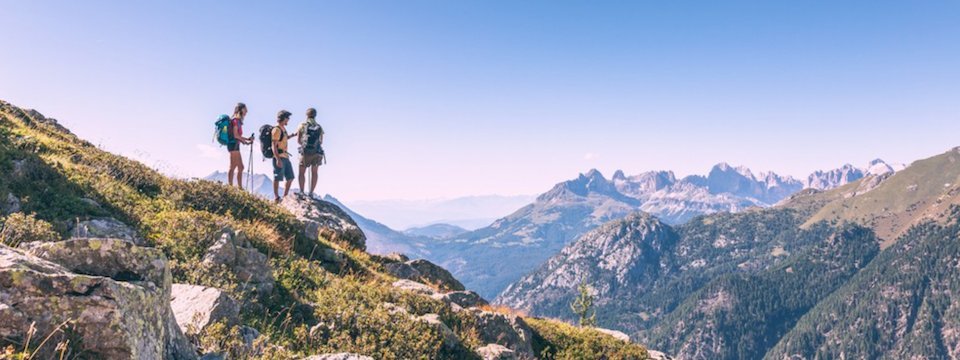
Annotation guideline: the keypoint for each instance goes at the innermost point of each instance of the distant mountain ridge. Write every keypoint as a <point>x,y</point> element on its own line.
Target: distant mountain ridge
<point>489,258</point>
<point>864,270</point>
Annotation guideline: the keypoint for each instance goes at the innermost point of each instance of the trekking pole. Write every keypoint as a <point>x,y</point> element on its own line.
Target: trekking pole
<point>250,175</point>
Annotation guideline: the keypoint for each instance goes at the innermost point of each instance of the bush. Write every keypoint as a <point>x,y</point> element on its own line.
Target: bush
<point>560,340</point>
<point>19,228</point>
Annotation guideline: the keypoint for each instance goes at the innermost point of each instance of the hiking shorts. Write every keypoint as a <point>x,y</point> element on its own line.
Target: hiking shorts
<point>283,171</point>
<point>234,146</point>
<point>309,160</point>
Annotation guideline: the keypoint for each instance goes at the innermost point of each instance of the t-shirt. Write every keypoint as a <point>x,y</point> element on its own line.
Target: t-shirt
<point>235,124</point>
<point>280,136</point>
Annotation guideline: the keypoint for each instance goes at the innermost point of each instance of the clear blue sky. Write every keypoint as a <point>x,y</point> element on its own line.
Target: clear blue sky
<point>424,99</point>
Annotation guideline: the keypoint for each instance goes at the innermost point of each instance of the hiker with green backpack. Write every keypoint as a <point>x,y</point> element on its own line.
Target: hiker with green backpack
<point>230,134</point>
<point>310,138</point>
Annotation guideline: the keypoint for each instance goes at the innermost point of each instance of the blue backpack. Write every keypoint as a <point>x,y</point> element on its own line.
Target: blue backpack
<point>222,134</point>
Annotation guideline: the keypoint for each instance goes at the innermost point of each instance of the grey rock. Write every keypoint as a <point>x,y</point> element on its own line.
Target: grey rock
<point>247,263</point>
<point>464,299</point>
<point>617,334</point>
<point>413,286</point>
<point>339,356</point>
<point>496,352</point>
<point>423,271</point>
<point>107,228</point>
<point>657,355</point>
<point>402,271</point>
<point>113,318</point>
<point>197,307</point>
<point>117,259</point>
<point>326,220</point>
<point>509,331</point>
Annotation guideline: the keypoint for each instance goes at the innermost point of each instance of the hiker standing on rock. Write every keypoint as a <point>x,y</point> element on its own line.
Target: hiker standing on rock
<point>310,138</point>
<point>236,138</point>
<point>281,158</point>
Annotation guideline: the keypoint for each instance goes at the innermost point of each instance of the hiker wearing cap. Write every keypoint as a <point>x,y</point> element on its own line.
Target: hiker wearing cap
<point>236,138</point>
<point>281,158</point>
<point>310,138</point>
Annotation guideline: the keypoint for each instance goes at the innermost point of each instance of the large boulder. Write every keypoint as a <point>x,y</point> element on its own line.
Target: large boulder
<point>105,228</point>
<point>232,251</point>
<point>117,259</point>
<point>507,330</point>
<point>326,220</point>
<point>197,307</point>
<point>426,272</point>
<point>117,313</point>
<point>414,287</point>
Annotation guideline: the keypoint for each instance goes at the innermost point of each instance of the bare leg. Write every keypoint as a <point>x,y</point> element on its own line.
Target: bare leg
<point>313,179</point>
<point>240,175</point>
<point>234,160</point>
<point>286,189</point>
<point>303,169</point>
<point>276,189</point>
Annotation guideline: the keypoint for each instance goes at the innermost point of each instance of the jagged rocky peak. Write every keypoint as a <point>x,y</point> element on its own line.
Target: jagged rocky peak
<point>590,182</point>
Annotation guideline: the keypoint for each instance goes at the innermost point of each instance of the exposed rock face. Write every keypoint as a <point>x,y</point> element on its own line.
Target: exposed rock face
<point>326,220</point>
<point>119,313</point>
<point>233,251</point>
<point>340,356</point>
<point>426,272</point>
<point>507,330</point>
<point>622,255</point>
<point>496,352</point>
<point>108,228</point>
<point>197,307</point>
<point>464,299</point>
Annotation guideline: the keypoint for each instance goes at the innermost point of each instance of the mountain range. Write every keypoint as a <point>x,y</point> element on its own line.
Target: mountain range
<point>865,270</point>
<point>490,258</point>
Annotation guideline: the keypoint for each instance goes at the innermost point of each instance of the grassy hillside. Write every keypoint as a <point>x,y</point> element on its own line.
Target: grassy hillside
<point>60,179</point>
<point>923,191</point>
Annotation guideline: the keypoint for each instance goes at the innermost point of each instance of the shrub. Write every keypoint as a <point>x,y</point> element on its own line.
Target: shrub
<point>19,228</point>
<point>559,340</point>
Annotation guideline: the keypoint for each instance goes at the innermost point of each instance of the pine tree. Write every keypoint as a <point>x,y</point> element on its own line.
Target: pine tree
<point>582,305</point>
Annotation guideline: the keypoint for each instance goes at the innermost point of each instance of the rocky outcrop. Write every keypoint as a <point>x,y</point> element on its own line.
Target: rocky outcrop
<point>496,352</point>
<point>109,228</point>
<point>509,331</point>
<point>111,295</point>
<point>233,251</point>
<point>421,270</point>
<point>464,299</point>
<point>325,220</point>
<point>197,307</point>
